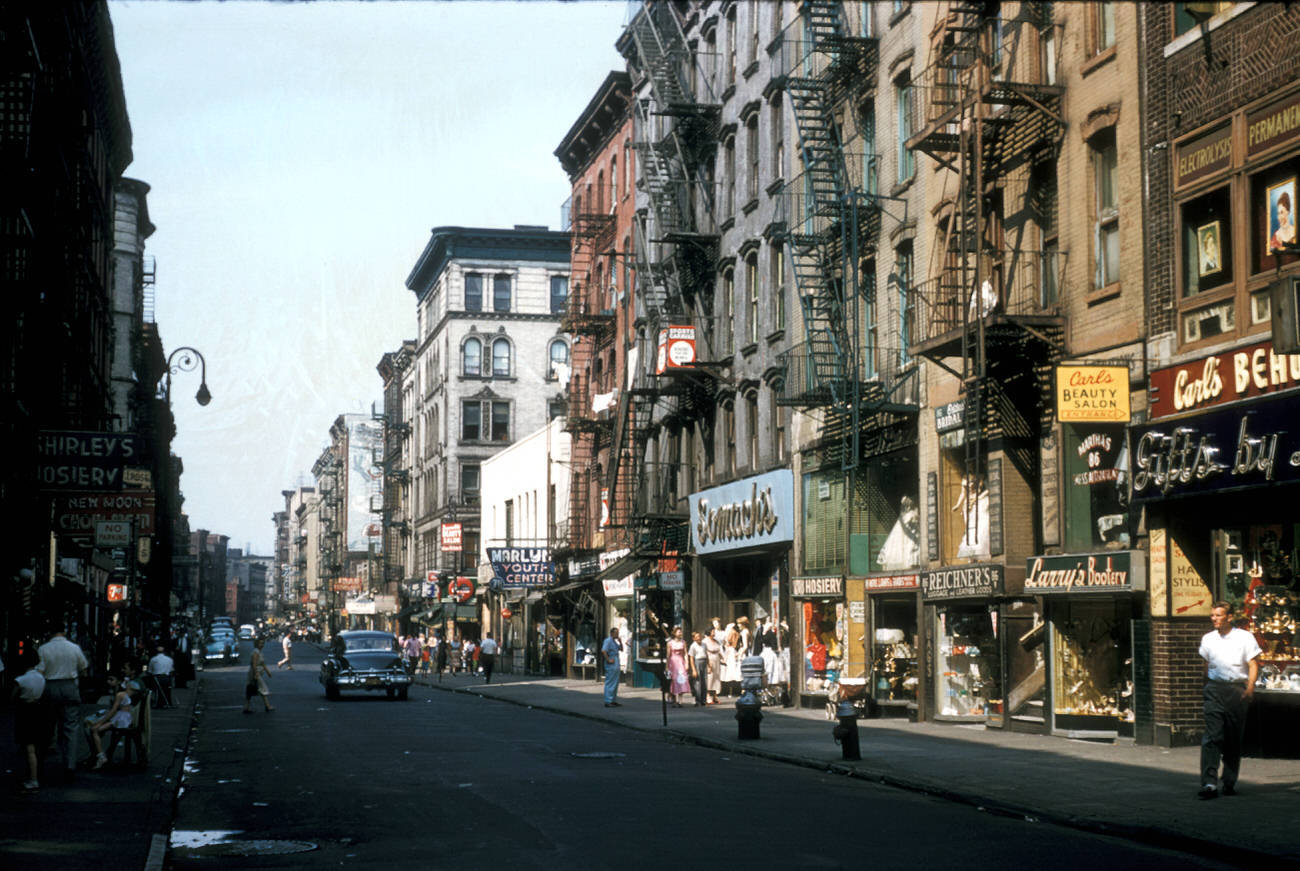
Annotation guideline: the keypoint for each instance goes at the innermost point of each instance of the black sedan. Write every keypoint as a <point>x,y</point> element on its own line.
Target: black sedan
<point>364,660</point>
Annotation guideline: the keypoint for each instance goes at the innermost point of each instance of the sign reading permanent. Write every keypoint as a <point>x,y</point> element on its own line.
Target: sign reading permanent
<point>827,587</point>
<point>748,513</point>
<point>518,567</point>
<point>1273,125</point>
<point>960,582</point>
<point>1110,572</point>
<point>1092,394</point>
<point>84,460</point>
<point>1241,374</point>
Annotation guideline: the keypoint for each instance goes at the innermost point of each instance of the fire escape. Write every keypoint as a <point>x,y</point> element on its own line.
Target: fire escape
<point>989,112</point>
<point>831,213</point>
<point>676,251</point>
<point>589,318</point>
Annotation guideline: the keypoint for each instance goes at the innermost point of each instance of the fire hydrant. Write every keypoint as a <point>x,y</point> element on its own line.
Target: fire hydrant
<point>748,707</point>
<point>846,733</point>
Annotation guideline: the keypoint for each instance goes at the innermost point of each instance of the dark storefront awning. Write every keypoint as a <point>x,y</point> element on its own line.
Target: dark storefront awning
<point>624,566</point>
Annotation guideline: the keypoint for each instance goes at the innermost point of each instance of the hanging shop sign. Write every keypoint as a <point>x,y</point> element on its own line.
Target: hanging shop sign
<point>115,593</point>
<point>748,513</point>
<point>1208,381</point>
<point>676,349</point>
<point>827,587</point>
<point>1108,572</point>
<point>77,514</point>
<point>884,583</point>
<point>1092,394</point>
<point>84,460</point>
<point>461,589</point>
<point>345,585</point>
<point>949,423</point>
<point>451,537</point>
<point>1245,447</point>
<point>617,589</point>
<point>959,582</point>
<point>672,580</point>
<point>584,567</point>
<point>112,533</point>
<point>520,567</point>
<point>1202,157</point>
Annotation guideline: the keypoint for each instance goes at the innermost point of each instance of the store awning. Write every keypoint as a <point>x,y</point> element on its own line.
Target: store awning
<point>571,585</point>
<point>408,611</point>
<point>623,566</point>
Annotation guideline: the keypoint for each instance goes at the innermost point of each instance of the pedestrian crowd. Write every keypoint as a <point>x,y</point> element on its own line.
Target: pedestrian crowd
<point>433,653</point>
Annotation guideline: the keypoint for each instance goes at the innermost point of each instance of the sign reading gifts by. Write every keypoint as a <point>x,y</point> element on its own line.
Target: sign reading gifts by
<point>748,513</point>
<point>1092,394</point>
<point>1108,572</point>
<point>958,582</point>
<point>517,567</point>
<point>1251,445</point>
<point>1232,375</point>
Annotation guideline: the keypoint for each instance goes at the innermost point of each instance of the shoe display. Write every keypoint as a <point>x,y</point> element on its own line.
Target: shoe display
<point>1208,791</point>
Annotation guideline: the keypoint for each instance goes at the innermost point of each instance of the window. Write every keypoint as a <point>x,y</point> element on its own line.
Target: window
<point>559,293</point>
<point>729,177</point>
<point>556,408</point>
<point>751,146</point>
<point>871,339</point>
<point>1103,27</point>
<point>727,324</point>
<point>510,522</point>
<point>1105,175</point>
<point>751,421</point>
<point>469,481</point>
<point>501,293</point>
<point>1044,201</point>
<point>732,38</point>
<point>473,292</point>
<point>776,420</point>
<point>751,285</point>
<point>906,299</point>
<point>778,138</point>
<point>614,180</point>
<point>474,414</point>
<point>471,354</point>
<point>1185,21</point>
<point>627,166</point>
<point>501,358</point>
<point>729,436</point>
<point>753,32</point>
<point>559,358</point>
<point>778,286</point>
<point>866,18</point>
<point>778,18</point>
<point>903,99</point>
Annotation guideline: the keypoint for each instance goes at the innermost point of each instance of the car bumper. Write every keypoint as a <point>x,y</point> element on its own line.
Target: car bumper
<point>364,680</point>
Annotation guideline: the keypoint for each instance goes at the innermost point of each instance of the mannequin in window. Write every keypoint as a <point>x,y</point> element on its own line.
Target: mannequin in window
<point>902,549</point>
<point>973,503</point>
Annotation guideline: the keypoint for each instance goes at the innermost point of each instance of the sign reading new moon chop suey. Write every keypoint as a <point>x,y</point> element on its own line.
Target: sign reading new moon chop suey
<point>748,513</point>
<point>1111,572</point>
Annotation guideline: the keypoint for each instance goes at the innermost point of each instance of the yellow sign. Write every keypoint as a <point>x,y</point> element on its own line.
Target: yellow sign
<point>1092,394</point>
<point>1159,580</point>
<point>1190,595</point>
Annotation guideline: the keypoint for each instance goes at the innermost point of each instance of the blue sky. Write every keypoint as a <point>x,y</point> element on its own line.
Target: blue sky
<point>299,154</point>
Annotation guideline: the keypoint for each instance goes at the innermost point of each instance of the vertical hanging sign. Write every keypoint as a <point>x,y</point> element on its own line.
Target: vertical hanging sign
<point>995,507</point>
<point>932,515</point>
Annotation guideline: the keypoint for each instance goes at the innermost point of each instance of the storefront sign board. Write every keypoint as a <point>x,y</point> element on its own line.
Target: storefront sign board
<point>1273,125</point>
<point>517,567</point>
<point>1252,445</point>
<point>995,507</point>
<point>676,348</point>
<point>451,537</point>
<point>958,582</point>
<point>1243,373</point>
<point>672,580</point>
<point>1159,573</point>
<point>828,587</point>
<point>76,514</point>
<point>1203,156</point>
<point>1189,594</point>
<point>84,460</point>
<point>1092,394</point>
<point>617,589</point>
<point>748,513</point>
<point>341,585</point>
<point>1050,476</point>
<point>1107,572</point>
<point>932,515</point>
<point>877,583</point>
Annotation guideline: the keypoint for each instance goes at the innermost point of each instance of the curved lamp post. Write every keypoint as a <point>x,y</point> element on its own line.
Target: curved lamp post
<point>187,359</point>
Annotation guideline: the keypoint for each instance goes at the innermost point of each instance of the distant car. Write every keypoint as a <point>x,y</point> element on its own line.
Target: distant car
<point>223,621</point>
<point>364,660</point>
<point>247,632</point>
<point>220,648</point>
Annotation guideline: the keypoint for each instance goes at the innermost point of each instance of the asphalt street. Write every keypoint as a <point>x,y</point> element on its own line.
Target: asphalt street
<point>447,780</point>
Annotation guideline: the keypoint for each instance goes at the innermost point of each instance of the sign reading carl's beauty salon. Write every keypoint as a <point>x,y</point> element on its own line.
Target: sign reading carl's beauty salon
<point>753,512</point>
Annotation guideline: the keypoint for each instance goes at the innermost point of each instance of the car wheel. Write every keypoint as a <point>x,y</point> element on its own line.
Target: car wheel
<point>401,694</point>
<point>392,693</point>
<point>332,691</point>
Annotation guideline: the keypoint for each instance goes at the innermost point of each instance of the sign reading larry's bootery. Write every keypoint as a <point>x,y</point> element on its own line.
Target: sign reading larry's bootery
<point>752,512</point>
<point>960,582</point>
<point>1111,572</point>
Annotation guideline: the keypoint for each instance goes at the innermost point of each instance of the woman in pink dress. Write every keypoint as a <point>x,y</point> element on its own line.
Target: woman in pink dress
<point>679,681</point>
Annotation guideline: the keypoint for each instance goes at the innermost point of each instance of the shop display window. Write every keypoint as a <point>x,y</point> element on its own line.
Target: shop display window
<point>967,667</point>
<point>894,674</point>
<point>1207,242</point>
<point>1272,206</point>
<point>1260,567</point>
<point>888,497</point>
<point>963,510</point>
<point>1096,486</point>
<point>1092,666</point>
<point>823,635</point>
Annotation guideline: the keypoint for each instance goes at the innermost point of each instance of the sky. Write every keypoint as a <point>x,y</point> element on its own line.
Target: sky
<point>298,156</point>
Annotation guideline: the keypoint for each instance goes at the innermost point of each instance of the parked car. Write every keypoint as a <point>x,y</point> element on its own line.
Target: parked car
<point>364,659</point>
<point>247,632</point>
<point>219,647</point>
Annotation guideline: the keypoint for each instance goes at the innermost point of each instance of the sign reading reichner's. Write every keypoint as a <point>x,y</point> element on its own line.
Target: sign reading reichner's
<point>957,582</point>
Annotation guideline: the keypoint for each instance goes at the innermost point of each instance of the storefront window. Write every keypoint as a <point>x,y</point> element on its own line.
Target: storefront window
<point>824,516</point>
<point>1097,484</point>
<point>1273,205</point>
<point>967,668</point>
<point>1207,242</point>
<point>893,649</point>
<point>890,505</point>
<point>1092,686</point>
<point>823,636</point>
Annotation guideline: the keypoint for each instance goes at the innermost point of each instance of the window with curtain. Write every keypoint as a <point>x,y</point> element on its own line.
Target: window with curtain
<point>1103,27</point>
<point>501,358</point>
<point>559,293</point>
<point>473,292</point>
<point>472,357</point>
<point>1105,172</point>
<point>778,286</point>
<point>559,357</point>
<point>751,286</point>
<point>903,99</point>
<point>727,326</point>
<point>751,146</point>
<point>777,127</point>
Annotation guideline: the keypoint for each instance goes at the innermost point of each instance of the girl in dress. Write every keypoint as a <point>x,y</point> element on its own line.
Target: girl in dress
<point>713,650</point>
<point>679,681</point>
<point>118,716</point>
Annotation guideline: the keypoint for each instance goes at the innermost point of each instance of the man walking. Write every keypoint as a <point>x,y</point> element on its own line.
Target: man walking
<point>487,657</point>
<point>611,650</point>
<point>61,663</point>
<point>1232,665</point>
<point>286,645</point>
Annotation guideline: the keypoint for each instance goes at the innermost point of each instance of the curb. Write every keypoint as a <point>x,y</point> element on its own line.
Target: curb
<point>1154,836</point>
<point>170,788</point>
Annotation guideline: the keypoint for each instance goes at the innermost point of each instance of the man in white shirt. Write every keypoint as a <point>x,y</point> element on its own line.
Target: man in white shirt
<point>487,657</point>
<point>1232,665</point>
<point>161,668</point>
<point>61,663</point>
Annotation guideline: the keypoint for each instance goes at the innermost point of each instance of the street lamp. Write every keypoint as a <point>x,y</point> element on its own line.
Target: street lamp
<point>187,359</point>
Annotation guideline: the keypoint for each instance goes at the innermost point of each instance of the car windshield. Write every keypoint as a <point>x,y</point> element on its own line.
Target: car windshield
<point>371,642</point>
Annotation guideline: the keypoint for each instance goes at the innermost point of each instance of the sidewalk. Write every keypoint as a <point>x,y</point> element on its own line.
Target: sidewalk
<point>117,817</point>
<point>1122,789</point>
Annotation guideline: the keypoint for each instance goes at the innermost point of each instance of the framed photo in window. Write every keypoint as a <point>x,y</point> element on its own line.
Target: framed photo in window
<point>1209,249</point>
<point>1281,215</point>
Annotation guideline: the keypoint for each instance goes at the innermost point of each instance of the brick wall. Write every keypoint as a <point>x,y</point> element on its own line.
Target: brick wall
<point>1177,677</point>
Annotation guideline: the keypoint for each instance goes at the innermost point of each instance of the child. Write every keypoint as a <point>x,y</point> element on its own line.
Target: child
<point>30,720</point>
